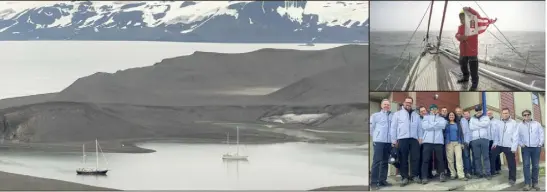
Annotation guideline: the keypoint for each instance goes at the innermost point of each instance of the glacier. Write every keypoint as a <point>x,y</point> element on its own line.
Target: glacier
<point>187,21</point>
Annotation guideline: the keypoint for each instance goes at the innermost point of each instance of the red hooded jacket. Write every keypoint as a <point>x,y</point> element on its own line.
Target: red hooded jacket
<point>470,46</point>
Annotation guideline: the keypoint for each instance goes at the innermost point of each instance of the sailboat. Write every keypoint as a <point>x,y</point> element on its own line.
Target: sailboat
<point>436,68</point>
<point>91,171</point>
<point>234,156</point>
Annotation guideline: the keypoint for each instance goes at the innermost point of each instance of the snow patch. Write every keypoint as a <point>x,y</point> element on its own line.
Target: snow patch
<point>297,118</point>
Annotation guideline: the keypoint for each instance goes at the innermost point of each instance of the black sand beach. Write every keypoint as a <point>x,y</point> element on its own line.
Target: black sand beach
<point>15,182</point>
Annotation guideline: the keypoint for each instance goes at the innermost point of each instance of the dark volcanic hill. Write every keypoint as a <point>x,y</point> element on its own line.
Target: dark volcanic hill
<point>183,97</point>
<point>209,78</point>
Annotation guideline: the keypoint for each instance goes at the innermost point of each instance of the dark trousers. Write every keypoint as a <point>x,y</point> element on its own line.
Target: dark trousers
<point>380,162</point>
<point>467,163</point>
<point>481,157</point>
<point>510,156</point>
<point>409,148</point>
<point>496,164</point>
<point>439,157</point>
<point>429,167</point>
<point>473,63</point>
<point>530,154</point>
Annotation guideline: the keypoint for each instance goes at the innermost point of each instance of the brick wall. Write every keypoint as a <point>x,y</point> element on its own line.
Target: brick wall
<point>446,99</point>
<point>507,100</point>
<point>399,97</point>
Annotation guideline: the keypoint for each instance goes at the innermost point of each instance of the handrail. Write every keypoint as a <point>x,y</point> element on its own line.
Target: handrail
<point>500,78</point>
<point>490,63</point>
<point>412,71</point>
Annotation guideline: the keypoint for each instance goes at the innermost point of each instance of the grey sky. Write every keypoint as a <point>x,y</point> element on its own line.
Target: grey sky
<point>405,15</point>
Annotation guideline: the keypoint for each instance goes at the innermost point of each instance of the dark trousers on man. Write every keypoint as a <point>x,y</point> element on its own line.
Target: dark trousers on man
<point>409,147</point>
<point>530,154</point>
<point>494,165</point>
<point>510,156</point>
<point>380,163</point>
<point>467,163</point>
<point>439,158</point>
<point>473,63</point>
<point>481,157</point>
<point>429,167</point>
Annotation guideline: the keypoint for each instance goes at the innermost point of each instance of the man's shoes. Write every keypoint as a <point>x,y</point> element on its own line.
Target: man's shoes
<point>536,187</point>
<point>385,184</point>
<point>468,176</point>
<point>511,182</point>
<point>473,88</point>
<point>404,182</point>
<point>488,177</point>
<point>526,188</point>
<point>453,177</point>
<point>416,180</point>
<point>425,181</point>
<point>464,80</point>
<point>463,179</point>
<point>376,187</point>
<point>442,177</point>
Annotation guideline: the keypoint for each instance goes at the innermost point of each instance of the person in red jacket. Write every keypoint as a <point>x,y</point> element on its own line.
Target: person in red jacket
<point>469,46</point>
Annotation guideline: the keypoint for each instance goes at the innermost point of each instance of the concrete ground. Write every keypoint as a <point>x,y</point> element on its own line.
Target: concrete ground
<point>498,183</point>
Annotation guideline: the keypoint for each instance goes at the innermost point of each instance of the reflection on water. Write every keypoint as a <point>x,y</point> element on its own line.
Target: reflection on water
<point>289,166</point>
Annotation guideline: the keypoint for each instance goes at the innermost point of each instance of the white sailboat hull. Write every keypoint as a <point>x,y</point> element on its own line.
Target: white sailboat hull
<point>234,157</point>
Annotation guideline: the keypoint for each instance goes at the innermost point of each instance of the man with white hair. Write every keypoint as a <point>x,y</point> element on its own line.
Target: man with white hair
<point>380,125</point>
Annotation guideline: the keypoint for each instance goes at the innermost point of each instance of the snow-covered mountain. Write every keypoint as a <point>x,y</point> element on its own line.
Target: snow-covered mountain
<point>205,21</point>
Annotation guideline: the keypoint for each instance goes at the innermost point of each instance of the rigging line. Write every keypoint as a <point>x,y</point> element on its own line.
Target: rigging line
<point>500,31</point>
<point>399,61</point>
<point>509,42</point>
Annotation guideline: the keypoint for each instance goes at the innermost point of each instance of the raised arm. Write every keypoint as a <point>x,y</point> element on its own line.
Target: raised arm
<point>482,123</point>
<point>393,130</point>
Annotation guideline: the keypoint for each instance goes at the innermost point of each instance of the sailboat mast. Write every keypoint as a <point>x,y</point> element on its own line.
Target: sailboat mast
<point>228,138</point>
<point>429,22</point>
<point>237,142</point>
<point>83,153</point>
<point>442,25</point>
<point>97,152</point>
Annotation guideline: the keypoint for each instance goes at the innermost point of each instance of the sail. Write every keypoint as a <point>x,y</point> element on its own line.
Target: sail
<point>474,23</point>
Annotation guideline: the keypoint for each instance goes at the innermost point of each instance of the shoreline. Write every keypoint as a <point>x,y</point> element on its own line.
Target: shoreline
<point>130,145</point>
<point>18,182</point>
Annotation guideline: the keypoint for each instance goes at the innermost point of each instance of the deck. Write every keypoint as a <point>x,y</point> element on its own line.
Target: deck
<point>440,72</point>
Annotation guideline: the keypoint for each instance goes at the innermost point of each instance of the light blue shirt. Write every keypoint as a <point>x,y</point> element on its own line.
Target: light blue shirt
<point>405,125</point>
<point>530,134</point>
<point>479,127</point>
<point>433,126</point>
<point>506,135</point>
<point>380,125</point>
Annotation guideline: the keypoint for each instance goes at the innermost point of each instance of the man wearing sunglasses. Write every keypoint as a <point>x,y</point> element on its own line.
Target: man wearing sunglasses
<point>531,139</point>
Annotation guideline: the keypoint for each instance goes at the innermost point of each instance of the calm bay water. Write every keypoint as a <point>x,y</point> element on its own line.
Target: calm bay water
<point>57,64</point>
<point>288,166</point>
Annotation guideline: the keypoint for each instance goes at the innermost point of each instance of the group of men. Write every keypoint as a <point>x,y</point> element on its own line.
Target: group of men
<point>414,136</point>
